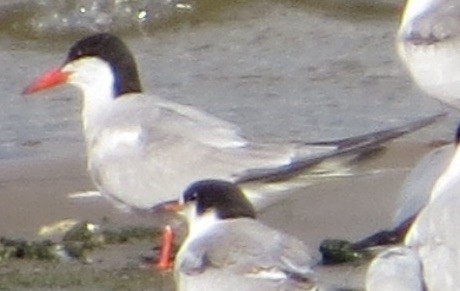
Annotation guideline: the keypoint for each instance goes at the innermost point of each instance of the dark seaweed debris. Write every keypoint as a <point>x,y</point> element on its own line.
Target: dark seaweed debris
<point>335,251</point>
<point>76,243</point>
<point>22,249</point>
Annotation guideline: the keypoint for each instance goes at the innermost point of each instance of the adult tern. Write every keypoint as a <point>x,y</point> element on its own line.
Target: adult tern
<point>143,150</point>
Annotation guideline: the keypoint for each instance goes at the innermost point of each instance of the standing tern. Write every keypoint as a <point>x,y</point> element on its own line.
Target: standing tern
<point>428,42</point>
<point>432,245</point>
<point>228,249</point>
<point>143,150</point>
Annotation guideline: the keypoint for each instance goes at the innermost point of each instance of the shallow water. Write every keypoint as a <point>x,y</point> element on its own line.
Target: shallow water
<point>282,70</point>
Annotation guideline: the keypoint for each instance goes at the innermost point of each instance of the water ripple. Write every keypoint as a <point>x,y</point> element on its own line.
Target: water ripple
<point>49,18</point>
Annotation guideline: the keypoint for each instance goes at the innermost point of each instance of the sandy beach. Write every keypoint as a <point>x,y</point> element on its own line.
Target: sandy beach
<point>281,70</point>
<point>346,208</point>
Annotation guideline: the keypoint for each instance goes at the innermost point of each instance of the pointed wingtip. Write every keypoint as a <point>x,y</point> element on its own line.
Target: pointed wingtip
<point>382,136</point>
<point>344,146</point>
<point>423,122</point>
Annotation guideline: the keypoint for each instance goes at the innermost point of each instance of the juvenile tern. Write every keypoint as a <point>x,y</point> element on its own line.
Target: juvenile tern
<point>143,150</point>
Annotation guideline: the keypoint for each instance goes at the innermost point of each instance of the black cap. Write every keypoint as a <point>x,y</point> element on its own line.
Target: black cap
<point>224,197</point>
<point>112,50</point>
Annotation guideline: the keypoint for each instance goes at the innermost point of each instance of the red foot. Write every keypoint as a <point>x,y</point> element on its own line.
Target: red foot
<point>165,263</point>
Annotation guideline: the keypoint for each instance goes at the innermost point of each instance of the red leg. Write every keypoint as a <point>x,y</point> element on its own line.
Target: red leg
<point>165,263</point>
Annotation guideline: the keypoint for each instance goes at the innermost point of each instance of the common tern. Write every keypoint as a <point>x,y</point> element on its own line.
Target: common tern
<point>143,150</point>
<point>432,245</point>
<point>428,42</point>
<point>228,249</point>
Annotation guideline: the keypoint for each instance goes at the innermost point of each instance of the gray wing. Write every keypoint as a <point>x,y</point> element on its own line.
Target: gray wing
<point>416,190</point>
<point>196,125</point>
<point>146,151</point>
<point>248,247</point>
<point>431,260</point>
<point>166,118</point>
<point>165,123</point>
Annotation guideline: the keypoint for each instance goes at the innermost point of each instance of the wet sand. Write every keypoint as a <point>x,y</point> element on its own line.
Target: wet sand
<point>282,70</point>
<point>36,193</point>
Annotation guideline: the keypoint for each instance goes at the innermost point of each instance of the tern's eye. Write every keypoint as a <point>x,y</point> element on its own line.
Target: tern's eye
<point>191,196</point>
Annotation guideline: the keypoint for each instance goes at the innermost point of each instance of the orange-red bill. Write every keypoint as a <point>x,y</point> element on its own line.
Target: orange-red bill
<point>165,262</point>
<point>47,80</point>
<point>173,206</point>
<point>168,206</point>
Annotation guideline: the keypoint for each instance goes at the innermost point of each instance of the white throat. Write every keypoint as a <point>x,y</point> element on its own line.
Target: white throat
<point>197,225</point>
<point>95,78</point>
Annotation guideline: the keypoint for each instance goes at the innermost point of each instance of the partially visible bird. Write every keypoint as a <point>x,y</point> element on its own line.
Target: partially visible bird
<point>428,42</point>
<point>398,268</point>
<point>431,250</point>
